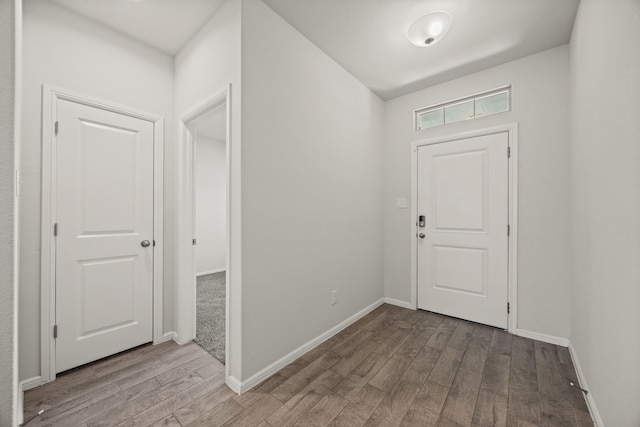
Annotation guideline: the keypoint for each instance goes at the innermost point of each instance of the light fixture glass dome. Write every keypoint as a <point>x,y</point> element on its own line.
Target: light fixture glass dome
<point>430,29</point>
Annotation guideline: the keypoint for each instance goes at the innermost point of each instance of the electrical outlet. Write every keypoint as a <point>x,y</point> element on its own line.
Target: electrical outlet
<point>334,297</point>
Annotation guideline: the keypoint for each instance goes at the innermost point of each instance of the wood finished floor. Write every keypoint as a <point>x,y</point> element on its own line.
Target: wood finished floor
<point>394,367</point>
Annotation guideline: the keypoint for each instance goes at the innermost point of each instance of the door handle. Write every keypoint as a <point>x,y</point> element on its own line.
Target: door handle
<point>145,243</point>
<point>422,235</point>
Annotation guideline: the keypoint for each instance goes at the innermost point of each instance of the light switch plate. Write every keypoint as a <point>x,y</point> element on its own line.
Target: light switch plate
<point>401,203</point>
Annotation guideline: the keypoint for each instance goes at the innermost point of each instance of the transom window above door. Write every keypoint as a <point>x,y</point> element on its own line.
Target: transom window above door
<point>471,107</point>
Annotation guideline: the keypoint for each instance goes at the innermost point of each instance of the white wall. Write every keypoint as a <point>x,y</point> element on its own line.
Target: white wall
<point>66,50</point>
<point>605,172</point>
<point>8,360</point>
<point>204,68</point>
<point>311,190</point>
<point>540,106</point>
<point>211,205</point>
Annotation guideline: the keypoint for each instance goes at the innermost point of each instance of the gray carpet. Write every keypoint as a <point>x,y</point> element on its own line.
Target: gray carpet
<point>210,316</point>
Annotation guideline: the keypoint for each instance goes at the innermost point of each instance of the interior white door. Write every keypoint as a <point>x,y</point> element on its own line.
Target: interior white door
<point>104,243</point>
<point>463,245</point>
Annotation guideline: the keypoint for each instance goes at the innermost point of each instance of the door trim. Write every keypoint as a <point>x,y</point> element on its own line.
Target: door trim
<point>50,97</point>
<point>185,292</point>
<point>512,264</point>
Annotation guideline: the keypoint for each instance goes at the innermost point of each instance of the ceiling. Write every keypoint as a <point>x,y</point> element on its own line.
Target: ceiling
<point>166,25</point>
<point>367,37</point>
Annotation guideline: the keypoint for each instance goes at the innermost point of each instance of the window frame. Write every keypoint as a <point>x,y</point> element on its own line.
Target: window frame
<point>443,105</point>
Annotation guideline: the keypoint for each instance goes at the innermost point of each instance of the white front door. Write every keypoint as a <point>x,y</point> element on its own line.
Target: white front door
<point>104,244</point>
<point>463,246</point>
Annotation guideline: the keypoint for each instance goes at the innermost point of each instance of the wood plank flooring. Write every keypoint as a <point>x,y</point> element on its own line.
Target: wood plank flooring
<point>394,367</point>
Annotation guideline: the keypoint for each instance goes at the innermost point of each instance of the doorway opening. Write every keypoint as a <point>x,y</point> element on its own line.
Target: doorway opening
<point>464,225</point>
<point>203,297</point>
<point>75,207</point>
<point>209,229</point>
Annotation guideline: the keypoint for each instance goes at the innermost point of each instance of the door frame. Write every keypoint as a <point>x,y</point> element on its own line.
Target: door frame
<point>512,264</point>
<point>50,96</point>
<point>185,291</point>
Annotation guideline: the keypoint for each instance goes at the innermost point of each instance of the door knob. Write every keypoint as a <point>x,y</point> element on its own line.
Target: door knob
<point>422,235</point>
<point>145,243</point>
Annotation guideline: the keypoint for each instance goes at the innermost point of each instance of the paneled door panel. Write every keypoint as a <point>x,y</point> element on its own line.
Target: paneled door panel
<point>463,246</point>
<point>104,211</point>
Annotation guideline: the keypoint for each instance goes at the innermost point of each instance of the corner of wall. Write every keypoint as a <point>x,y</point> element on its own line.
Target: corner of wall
<point>10,401</point>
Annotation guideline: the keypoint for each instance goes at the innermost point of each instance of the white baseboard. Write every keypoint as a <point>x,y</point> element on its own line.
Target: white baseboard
<point>399,303</point>
<point>179,342</point>
<point>233,383</point>
<point>167,336</point>
<point>23,386</point>
<point>562,342</point>
<point>204,273</point>
<point>244,386</point>
<point>20,407</point>
<point>29,383</point>
<point>591,404</point>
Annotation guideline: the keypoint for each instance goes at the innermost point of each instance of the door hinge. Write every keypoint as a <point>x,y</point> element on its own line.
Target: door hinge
<point>508,152</point>
<point>508,229</point>
<point>55,229</point>
<point>55,331</point>
<point>508,308</point>
<point>56,128</point>
<point>193,242</point>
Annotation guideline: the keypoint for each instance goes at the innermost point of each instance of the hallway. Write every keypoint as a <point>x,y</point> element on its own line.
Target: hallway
<point>393,367</point>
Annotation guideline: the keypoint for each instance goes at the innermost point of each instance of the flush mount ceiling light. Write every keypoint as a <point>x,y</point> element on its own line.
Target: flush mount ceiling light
<point>430,29</point>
